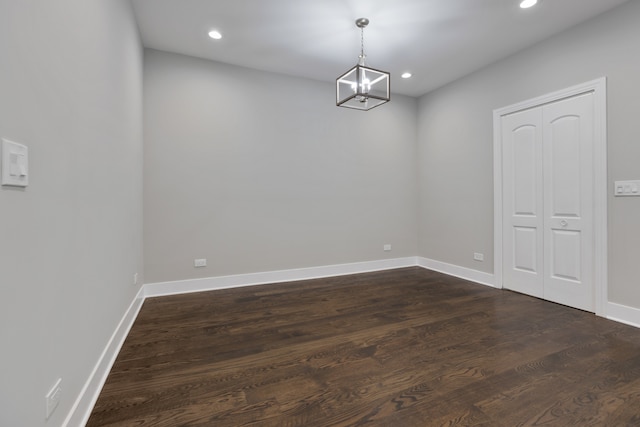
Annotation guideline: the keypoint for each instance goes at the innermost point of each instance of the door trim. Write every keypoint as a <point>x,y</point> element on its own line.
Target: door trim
<point>599,89</point>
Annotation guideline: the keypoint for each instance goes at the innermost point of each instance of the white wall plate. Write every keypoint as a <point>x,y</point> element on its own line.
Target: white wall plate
<point>15,164</point>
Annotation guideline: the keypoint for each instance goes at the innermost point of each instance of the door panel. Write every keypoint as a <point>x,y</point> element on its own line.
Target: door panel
<point>522,208</point>
<point>565,259</point>
<point>525,247</point>
<point>568,201</point>
<point>525,163</point>
<point>564,145</point>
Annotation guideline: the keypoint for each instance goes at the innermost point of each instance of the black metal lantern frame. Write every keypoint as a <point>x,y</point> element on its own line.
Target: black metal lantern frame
<point>363,87</point>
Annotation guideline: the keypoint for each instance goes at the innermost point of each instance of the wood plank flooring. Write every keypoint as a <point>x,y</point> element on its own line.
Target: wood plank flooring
<point>405,347</point>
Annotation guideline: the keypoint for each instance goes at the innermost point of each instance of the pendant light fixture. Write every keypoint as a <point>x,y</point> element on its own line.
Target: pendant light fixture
<point>362,87</point>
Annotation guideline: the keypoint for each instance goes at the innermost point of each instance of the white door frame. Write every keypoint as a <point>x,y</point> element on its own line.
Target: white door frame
<point>599,88</point>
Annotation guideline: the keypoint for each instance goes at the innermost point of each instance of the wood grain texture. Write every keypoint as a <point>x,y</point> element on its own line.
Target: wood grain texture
<point>406,347</point>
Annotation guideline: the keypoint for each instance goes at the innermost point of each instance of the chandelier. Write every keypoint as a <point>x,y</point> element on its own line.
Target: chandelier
<point>362,87</point>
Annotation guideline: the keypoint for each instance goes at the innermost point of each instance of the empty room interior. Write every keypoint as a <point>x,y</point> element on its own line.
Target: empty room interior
<point>196,231</point>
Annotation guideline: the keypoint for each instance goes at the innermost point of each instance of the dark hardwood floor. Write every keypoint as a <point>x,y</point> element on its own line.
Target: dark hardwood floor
<point>406,347</point>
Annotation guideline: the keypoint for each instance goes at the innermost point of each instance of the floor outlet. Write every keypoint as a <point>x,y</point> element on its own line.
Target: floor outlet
<point>53,397</point>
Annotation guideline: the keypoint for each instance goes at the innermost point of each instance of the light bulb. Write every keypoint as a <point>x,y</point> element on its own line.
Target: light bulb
<point>525,4</point>
<point>365,85</point>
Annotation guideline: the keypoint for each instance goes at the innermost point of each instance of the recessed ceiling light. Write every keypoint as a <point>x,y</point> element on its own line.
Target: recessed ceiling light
<point>406,75</point>
<point>215,35</point>
<point>525,4</point>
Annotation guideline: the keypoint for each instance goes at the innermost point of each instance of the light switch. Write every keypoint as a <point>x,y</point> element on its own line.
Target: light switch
<point>15,164</point>
<point>627,188</point>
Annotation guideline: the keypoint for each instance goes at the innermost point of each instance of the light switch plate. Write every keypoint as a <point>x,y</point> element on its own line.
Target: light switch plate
<point>15,164</point>
<point>627,188</point>
<point>52,399</point>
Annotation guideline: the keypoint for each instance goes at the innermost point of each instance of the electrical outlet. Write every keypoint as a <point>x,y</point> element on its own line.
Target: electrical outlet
<point>200,262</point>
<point>478,256</point>
<point>386,247</point>
<point>53,397</point>
<point>135,278</point>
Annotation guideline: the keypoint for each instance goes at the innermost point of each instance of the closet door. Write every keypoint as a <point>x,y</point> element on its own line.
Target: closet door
<point>523,214</point>
<point>548,207</point>
<point>568,201</point>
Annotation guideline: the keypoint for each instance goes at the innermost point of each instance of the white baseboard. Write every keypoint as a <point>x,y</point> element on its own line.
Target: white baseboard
<point>476,276</point>
<point>81,409</point>
<point>279,276</point>
<point>623,314</point>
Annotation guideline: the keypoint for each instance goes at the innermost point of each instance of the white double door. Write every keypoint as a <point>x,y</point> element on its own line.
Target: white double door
<point>548,201</point>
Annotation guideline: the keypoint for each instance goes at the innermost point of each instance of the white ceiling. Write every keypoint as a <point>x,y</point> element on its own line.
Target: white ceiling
<point>437,40</point>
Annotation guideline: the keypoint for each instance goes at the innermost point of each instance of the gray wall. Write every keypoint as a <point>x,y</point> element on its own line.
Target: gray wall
<point>289,179</point>
<point>258,172</point>
<point>71,90</point>
<point>456,138</point>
